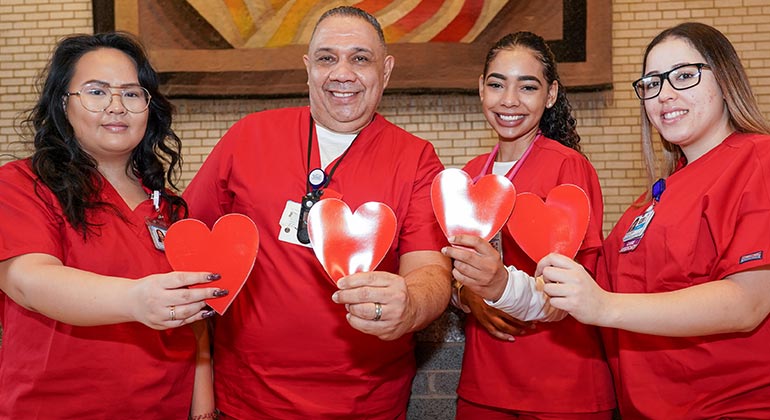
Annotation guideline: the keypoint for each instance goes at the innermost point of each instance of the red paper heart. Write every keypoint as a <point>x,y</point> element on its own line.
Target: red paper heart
<point>347,243</point>
<point>229,249</point>
<point>463,207</point>
<point>558,225</point>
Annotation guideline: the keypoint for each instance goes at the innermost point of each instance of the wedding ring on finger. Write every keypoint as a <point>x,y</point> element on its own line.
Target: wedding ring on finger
<point>377,311</point>
<point>172,312</point>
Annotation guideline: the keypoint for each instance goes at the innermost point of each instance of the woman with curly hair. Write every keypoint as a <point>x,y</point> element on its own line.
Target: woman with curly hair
<point>95,324</point>
<point>558,369</point>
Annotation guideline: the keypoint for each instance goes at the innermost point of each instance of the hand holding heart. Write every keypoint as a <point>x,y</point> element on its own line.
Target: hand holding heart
<point>228,249</point>
<point>477,265</point>
<point>151,298</point>
<point>572,289</point>
<point>471,213</point>
<point>359,292</point>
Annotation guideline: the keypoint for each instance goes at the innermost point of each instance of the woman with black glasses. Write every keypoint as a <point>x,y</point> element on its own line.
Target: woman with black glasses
<point>94,323</point>
<point>687,264</point>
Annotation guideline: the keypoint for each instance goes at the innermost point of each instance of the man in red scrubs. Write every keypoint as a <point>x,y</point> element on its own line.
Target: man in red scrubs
<point>294,344</point>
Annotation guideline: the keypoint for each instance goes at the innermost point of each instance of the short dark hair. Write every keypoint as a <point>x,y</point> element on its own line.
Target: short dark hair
<point>352,12</point>
<point>57,154</point>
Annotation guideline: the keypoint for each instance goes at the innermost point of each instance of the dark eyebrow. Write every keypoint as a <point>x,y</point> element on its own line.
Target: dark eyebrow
<point>334,50</point>
<point>496,76</point>
<point>524,78</point>
<point>105,84</point>
<point>655,72</point>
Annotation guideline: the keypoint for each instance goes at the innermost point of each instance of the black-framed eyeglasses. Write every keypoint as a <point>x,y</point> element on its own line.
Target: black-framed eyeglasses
<point>680,78</point>
<point>97,98</point>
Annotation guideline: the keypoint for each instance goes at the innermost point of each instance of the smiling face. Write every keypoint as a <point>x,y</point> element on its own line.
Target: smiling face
<point>112,134</point>
<point>514,94</point>
<point>695,119</point>
<point>347,69</point>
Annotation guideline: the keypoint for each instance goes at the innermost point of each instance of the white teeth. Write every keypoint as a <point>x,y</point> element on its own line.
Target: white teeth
<point>674,114</point>
<point>510,117</point>
<point>342,94</point>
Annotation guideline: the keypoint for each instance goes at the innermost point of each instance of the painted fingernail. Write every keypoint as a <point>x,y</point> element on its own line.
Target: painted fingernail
<point>208,314</point>
<point>213,276</point>
<point>221,292</point>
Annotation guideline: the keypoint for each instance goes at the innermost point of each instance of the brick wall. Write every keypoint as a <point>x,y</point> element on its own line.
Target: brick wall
<point>608,123</point>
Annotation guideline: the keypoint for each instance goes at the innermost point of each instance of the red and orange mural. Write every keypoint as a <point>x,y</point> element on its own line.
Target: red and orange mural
<point>255,47</point>
<point>278,23</point>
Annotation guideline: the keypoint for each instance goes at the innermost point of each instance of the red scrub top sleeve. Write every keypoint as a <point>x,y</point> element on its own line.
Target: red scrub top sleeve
<point>209,195</point>
<point>30,214</point>
<point>420,230</point>
<point>745,234</point>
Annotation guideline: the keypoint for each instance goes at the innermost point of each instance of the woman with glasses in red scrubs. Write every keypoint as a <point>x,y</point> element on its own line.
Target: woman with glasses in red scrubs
<point>687,264</point>
<point>94,323</point>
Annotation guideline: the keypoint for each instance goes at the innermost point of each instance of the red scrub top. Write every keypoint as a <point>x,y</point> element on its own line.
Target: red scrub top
<point>559,367</point>
<point>284,349</point>
<point>49,369</point>
<point>713,220</point>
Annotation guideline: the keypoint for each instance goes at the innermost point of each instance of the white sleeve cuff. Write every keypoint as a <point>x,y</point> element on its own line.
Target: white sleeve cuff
<point>524,299</point>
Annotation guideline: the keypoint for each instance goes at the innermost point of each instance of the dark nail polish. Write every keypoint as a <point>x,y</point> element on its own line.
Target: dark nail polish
<point>208,314</point>
<point>213,276</point>
<point>221,292</point>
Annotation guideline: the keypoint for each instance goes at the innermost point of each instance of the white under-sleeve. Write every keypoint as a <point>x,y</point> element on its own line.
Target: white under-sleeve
<point>524,299</point>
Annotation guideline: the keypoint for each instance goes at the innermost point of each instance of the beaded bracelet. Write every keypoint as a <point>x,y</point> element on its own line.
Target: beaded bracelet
<point>214,415</point>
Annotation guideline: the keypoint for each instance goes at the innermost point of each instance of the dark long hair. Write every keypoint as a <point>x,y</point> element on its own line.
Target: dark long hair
<point>557,122</point>
<point>65,168</point>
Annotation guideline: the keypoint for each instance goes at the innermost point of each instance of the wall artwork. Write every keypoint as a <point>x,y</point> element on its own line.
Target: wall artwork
<point>254,48</point>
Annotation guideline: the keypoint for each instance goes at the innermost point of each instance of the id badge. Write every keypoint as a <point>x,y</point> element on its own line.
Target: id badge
<point>157,228</point>
<point>636,231</point>
<point>289,222</point>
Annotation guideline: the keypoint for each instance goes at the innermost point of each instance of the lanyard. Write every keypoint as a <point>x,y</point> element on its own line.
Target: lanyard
<point>327,179</point>
<point>515,168</point>
<point>657,190</point>
<point>315,183</point>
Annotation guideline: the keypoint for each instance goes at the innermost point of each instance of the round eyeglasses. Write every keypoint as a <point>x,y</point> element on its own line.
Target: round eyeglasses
<point>680,78</point>
<point>97,98</point>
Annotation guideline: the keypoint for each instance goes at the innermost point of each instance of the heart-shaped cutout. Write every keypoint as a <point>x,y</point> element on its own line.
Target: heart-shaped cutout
<point>229,249</point>
<point>467,208</point>
<point>557,225</point>
<point>346,242</point>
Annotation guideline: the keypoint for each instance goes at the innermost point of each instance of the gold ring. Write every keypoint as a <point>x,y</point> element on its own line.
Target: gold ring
<point>172,312</point>
<point>377,311</point>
